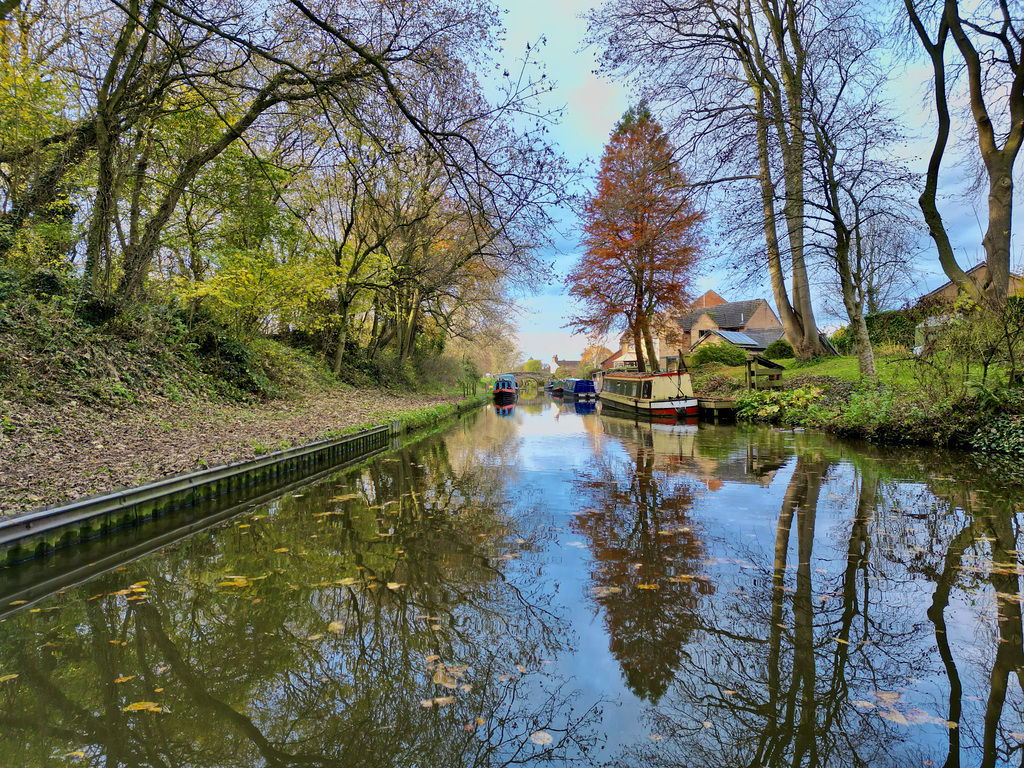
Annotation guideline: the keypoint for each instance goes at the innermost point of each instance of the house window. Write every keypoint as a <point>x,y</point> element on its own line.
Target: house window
<point>702,333</point>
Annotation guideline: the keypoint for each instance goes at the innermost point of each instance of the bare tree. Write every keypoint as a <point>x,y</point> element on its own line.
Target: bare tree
<point>988,39</point>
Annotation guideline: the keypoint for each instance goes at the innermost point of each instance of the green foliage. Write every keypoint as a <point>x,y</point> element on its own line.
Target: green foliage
<point>843,340</point>
<point>1002,434</point>
<point>533,366</point>
<point>726,354</point>
<point>780,349</point>
<point>785,406</point>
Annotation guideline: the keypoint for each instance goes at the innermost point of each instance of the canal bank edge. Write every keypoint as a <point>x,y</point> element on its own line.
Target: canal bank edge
<point>35,533</point>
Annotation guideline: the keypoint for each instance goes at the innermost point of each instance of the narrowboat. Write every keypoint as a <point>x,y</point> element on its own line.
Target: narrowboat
<point>579,389</point>
<point>558,388</point>
<point>505,388</point>
<point>650,394</point>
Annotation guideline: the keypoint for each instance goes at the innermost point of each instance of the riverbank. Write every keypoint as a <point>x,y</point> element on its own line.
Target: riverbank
<point>910,405</point>
<point>52,454</point>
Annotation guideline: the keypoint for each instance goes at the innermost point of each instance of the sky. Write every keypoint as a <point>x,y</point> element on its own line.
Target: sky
<point>592,107</point>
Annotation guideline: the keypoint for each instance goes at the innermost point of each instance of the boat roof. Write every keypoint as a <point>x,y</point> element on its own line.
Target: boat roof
<point>648,375</point>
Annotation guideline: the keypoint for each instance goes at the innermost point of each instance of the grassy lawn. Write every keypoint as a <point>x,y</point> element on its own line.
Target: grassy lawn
<point>893,369</point>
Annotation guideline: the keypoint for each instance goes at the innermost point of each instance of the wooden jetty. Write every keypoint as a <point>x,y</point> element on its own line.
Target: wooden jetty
<point>716,408</point>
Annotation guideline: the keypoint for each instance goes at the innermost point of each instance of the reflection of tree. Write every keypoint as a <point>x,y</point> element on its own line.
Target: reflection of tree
<point>645,561</point>
<point>307,635</point>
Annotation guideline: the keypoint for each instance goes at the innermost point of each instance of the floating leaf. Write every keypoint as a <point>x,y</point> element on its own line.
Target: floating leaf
<point>336,627</point>
<point>887,697</point>
<point>427,703</point>
<point>479,721</point>
<point>893,716</point>
<point>77,753</point>
<point>432,657</point>
<point>655,737</point>
<point>281,550</point>
<point>235,581</point>
<point>443,677</point>
<point>465,687</point>
<point>864,704</point>
<point>521,668</point>
<point>125,679</point>
<point>18,602</point>
<point>314,638</point>
<point>5,678</point>
<point>143,706</point>
<point>394,585</point>
<point>647,586</point>
<point>443,701</point>
<point>542,737</point>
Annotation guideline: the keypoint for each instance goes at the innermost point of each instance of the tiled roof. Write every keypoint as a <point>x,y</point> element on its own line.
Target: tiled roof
<point>734,314</point>
<point>731,315</point>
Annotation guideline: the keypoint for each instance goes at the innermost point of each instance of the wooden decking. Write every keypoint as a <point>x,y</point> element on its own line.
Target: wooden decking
<point>716,408</point>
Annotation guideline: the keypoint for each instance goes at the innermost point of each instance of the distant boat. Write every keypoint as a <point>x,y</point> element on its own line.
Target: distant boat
<point>650,394</point>
<point>505,388</point>
<point>579,389</point>
<point>558,388</point>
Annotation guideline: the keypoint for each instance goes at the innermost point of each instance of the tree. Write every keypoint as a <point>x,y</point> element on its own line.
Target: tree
<point>641,234</point>
<point>533,366</point>
<point>733,76</point>
<point>988,38</point>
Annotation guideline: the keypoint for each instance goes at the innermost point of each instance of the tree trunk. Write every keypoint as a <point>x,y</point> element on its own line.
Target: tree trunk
<point>638,348</point>
<point>652,355</point>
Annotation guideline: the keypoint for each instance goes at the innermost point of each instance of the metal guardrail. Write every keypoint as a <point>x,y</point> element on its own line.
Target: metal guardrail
<point>87,518</point>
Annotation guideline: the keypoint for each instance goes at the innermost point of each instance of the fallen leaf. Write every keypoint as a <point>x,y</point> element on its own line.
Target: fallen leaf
<point>465,687</point>
<point>143,706</point>
<point>314,638</point>
<point>647,586</point>
<point>5,678</point>
<point>427,703</point>
<point>893,716</point>
<point>864,704</point>
<point>542,738</point>
<point>125,679</point>
<point>234,581</point>
<point>281,550</point>
<point>521,668</point>
<point>443,677</point>
<point>18,602</point>
<point>336,627</point>
<point>432,657</point>
<point>443,701</point>
<point>394,585</point>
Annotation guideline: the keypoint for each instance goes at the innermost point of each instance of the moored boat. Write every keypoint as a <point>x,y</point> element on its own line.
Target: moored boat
<point>579,389</point>
<point>650,394</point>
<point>505,388</point>
<point>558,388</point>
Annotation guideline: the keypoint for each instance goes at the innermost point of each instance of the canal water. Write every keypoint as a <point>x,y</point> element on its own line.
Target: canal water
<point>543,584</point>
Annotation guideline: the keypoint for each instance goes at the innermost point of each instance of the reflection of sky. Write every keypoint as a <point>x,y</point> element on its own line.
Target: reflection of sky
<point>593,106</point>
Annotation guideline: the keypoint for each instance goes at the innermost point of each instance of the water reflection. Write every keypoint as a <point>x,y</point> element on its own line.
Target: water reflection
<point>368,621</point>
<point>561,587</point>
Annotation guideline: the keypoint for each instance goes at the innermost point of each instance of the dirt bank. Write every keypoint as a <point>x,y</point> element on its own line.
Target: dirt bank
<point>51,454</point>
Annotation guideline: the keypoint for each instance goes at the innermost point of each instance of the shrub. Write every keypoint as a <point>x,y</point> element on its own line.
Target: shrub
<point>784,405</point>
<point>780,349</point>
<point>1003,434</point>
<point>726,354</point>
<point>842,340</point>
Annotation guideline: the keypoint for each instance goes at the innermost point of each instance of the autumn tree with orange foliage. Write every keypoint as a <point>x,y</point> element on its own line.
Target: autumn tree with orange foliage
<point>641,234</point>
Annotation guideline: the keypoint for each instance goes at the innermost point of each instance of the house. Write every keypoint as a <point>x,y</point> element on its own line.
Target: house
<point>751,325</point>
<point>979,272</point>
<point>571,365</point>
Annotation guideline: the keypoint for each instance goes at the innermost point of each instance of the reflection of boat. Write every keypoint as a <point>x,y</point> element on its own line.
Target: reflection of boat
<point>656,394</point>
<point>505,388</point>
<point>582,407</point>
<point>579,389</point>
<point>506,411</point>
